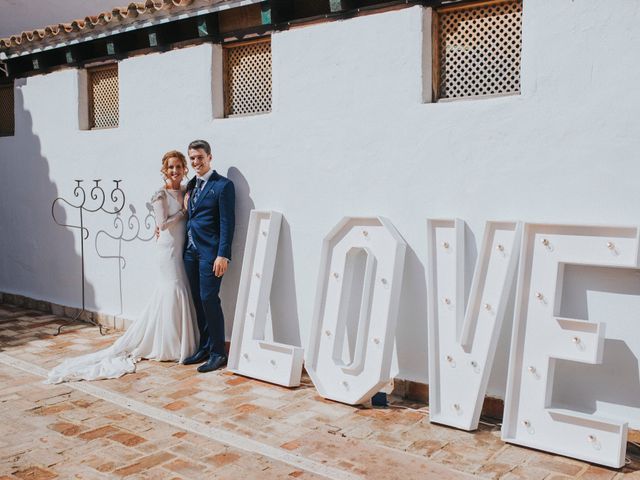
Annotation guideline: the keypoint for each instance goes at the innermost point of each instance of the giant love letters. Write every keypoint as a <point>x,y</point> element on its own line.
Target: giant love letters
<point>541,337</point>
<point>356,309</point>
<point>462,346</point>
<point>353,326</point>
<point>250,353</point>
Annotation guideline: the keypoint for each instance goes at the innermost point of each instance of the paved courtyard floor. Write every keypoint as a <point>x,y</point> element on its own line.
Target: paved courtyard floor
<point>166,421</point>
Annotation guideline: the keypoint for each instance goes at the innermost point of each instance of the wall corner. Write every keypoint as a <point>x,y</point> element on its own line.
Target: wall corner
<point>217,81</point>
<point>427,55</point>
<point>83,99</point>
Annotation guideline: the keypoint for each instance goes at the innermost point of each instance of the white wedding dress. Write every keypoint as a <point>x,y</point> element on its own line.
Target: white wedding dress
<point>166,329</point>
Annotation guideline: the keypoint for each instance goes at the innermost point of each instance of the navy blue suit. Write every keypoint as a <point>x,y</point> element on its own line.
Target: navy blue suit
<point>211,221</point>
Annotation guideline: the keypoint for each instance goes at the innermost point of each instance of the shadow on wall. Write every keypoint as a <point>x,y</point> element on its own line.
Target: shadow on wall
<point>283,300</point>
<point>229,288</point>
<point>127,226</point>
<point>583,386</point>
<point>611,296</point>
<point>411,333</point>
<point>39,258</point>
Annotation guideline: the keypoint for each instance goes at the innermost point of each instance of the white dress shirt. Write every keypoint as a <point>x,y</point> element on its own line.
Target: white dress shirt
<point>205,178</point>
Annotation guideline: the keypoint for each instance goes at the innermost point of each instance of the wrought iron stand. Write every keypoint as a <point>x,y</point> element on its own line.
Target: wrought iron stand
<point>96,203</point>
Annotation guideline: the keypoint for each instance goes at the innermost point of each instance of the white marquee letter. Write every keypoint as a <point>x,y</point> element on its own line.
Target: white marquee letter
<point>356,309</point>
<point>462,346</point>
<point>541,336</point>
<point>250,354</point>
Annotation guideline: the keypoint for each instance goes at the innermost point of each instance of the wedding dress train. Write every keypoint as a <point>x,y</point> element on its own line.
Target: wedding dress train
<point>166,329</point>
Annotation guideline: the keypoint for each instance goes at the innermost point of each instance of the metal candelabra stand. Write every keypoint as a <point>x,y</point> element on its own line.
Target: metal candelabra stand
<point>93,203</point>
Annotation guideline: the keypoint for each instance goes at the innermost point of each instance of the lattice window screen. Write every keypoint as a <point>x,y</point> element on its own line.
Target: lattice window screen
<point>248,78</point>
<point>7,122</point>
<point>104,110</point>
<point>478,49</point>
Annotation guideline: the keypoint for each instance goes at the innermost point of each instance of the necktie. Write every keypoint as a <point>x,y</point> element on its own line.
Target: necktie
<point>194,198</point>
<point>196,191</point>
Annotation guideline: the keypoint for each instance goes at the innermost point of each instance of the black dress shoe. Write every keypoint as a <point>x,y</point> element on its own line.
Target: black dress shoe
<point>215,362</point>
<point>198,357</point>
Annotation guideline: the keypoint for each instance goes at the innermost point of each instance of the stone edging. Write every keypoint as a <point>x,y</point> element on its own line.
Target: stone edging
<point>111,322</point>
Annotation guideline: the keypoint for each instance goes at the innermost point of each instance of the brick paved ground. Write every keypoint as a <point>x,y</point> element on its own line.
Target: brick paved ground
<point>167,421</point>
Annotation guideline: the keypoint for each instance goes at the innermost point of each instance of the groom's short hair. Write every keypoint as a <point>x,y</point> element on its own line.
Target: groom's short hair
<point>200,144</point>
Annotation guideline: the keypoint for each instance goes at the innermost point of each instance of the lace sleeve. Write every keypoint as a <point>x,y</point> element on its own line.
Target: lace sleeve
<point>159,202</point>
<point>173,219</point>
<point>160,211</point>
<point>159,195</point>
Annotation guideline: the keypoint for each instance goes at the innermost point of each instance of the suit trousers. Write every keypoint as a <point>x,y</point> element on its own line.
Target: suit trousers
<point>205,289</point>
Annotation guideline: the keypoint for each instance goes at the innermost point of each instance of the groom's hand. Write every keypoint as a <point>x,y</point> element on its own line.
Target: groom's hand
<point>220,266</point>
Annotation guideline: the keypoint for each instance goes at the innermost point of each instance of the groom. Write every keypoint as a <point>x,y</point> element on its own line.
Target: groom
<point>210,224</point>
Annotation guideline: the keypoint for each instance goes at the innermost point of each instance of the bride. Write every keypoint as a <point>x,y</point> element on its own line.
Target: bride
<point>166,328</point>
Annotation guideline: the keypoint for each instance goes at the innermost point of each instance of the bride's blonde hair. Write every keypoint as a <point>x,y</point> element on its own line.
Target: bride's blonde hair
<point>173,154</point>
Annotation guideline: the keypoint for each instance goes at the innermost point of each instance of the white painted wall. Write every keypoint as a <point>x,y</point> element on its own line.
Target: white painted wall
<point>349,135</point>
<point>20,15</point>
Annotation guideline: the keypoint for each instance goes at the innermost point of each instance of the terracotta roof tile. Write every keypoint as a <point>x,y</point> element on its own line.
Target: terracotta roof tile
<point>103,22</point>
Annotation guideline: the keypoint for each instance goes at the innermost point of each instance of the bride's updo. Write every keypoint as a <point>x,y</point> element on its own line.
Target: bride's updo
<point>173,154</point>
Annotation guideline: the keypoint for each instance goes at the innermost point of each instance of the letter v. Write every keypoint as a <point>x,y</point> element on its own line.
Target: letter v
<point>462,344</point>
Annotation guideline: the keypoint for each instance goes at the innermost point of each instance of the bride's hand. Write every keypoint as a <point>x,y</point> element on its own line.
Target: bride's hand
<point>186,201</point>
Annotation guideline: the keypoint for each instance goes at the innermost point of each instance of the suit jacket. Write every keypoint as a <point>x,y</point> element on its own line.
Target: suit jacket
<point>211,218</point>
